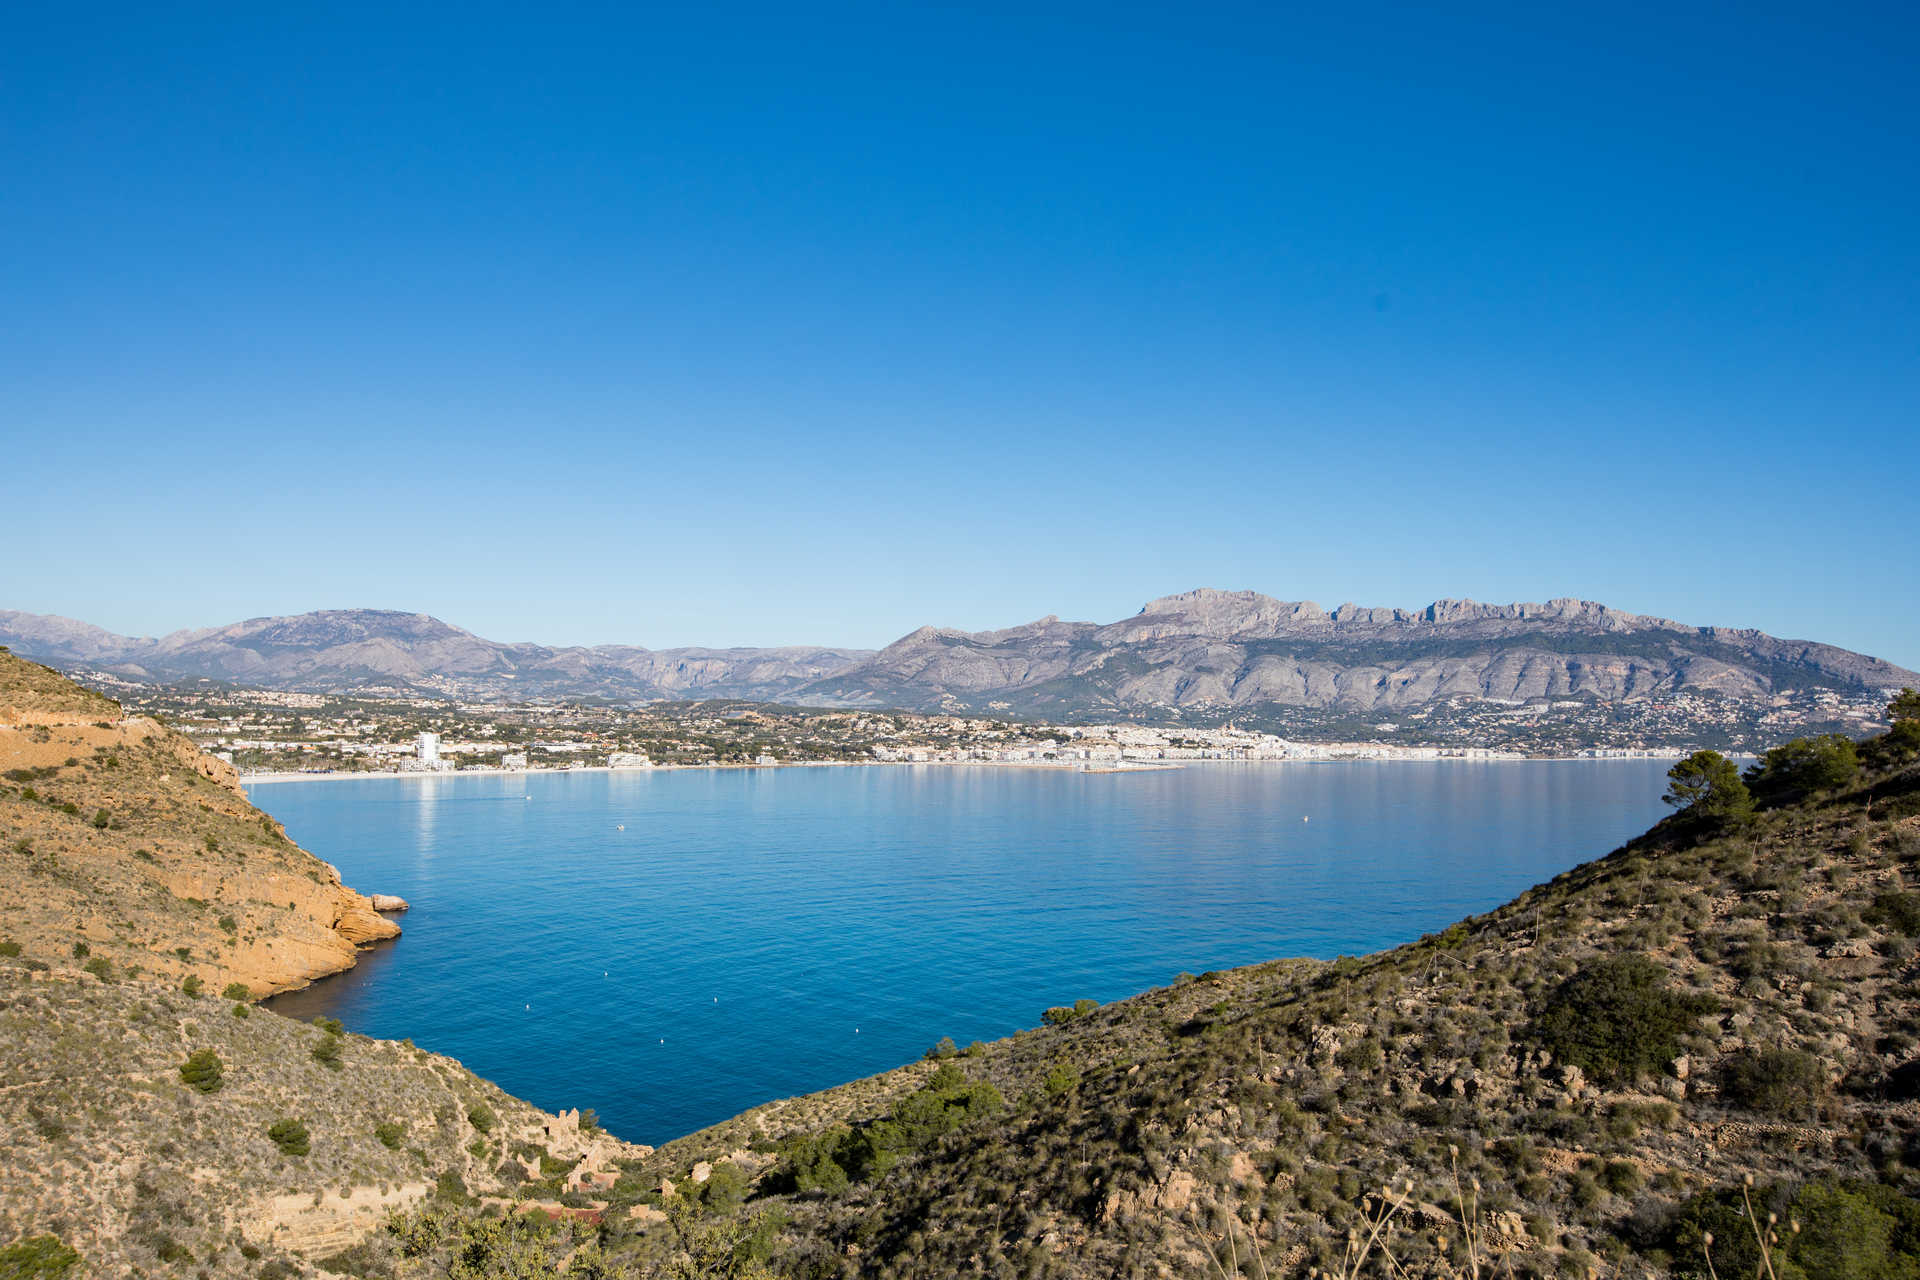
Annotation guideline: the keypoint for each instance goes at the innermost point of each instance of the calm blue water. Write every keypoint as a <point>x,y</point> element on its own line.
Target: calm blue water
<point>753,934</point>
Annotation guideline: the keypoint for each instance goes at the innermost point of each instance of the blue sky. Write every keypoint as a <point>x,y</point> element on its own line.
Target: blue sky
<point>743,324</point>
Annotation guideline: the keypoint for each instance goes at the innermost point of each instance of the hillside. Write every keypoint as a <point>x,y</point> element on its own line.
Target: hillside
<point>149,1126</point>
<point>122,845</point>
<point>1576,1084</point>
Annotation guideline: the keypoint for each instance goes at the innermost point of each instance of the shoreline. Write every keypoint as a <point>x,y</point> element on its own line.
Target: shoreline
<point>1068,766</point>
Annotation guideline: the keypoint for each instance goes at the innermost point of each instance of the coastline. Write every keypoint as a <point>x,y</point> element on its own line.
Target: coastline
<point>1069,766</point>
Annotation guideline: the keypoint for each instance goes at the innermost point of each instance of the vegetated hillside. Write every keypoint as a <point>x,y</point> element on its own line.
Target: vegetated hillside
<point>339,650</point>
<point>149,1126</point>
<point>124,847</point>
<point>146,1133</point>
<point>1576,1084</point>
<point>1239,649</point>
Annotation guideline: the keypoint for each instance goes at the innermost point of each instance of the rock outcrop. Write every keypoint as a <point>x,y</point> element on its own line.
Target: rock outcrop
<point>126,846</point>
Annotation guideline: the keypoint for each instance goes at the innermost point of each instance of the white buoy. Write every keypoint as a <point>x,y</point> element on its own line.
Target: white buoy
<point>621,827</point>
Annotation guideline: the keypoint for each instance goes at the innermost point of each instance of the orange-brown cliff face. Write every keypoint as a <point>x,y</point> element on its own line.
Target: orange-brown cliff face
<point>121,843</point>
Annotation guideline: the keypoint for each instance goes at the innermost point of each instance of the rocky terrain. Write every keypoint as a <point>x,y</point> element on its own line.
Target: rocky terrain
<point>1199,655</point>
<point>123,846</point>
<point>153,1120</point>
<point>1225,651</point>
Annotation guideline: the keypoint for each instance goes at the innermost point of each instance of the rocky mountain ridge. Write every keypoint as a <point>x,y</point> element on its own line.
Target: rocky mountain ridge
<point>1197,652</point>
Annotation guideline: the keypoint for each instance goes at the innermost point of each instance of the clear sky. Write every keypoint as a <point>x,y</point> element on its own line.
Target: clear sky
<point>814,323</point>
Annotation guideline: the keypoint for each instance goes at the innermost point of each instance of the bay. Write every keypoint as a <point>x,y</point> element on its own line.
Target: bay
<point>673,947</point>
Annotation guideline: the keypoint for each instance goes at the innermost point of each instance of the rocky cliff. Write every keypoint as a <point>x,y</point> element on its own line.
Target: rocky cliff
<point>122,846</point>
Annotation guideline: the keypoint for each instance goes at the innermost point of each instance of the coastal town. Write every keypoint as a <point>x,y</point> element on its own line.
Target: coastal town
<point>275,732</point>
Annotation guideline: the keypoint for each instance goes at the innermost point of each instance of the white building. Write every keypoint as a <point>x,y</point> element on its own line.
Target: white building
<point>629,760</point>
<point>427,747</point>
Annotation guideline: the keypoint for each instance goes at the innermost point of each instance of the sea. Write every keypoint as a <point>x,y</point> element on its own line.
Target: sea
<point>672,947</point>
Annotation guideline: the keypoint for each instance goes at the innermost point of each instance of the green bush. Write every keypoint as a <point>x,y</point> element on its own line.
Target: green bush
<point>481,1117</point>
<point>290,1136</point>
<point>101,819</point>
<point>1617,1018</point>
<point>1895,909</point>
<point>328,1053</point>
<point>391,1134</point>
<point>100,969</point>
<point>1851,1229</point>
<point>1067,1013</point>
<point>1780,1082</point>
<point>81,951</point>
<point>37,1258</point>
<point>237,991</point>
<point>202,1070</point>
<point>191,987</point>
<point>9,948</point>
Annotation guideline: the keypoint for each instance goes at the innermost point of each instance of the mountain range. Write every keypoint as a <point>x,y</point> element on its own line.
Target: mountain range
<point>1195,652</point>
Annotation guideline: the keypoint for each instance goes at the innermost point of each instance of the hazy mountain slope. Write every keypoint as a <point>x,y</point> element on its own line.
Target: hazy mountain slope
<point>1240,649</point>
<point>346,649</point>
<point>117,835</point>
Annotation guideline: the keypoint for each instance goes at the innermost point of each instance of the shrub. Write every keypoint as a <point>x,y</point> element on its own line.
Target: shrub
<point>589,1121</point>
<point>1067,1013</point>
<point>237,991</point>
<point>290,1136</point>
<point>101,819</point>
<point>191,986</point>
<point>1859,1230</point>
<point>100,969</point>
<point>202,1071</point>
<point>9,948</point>
<point>390,1133</point>
<point>1781,1082</point>
<point>327,1053</point>
<point>1617,1018</point>
<point>81,951</point>
<point>481,1117</point>
<point>37,1258</point>
<point>242,1011</point>
<point>1898,910</point>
